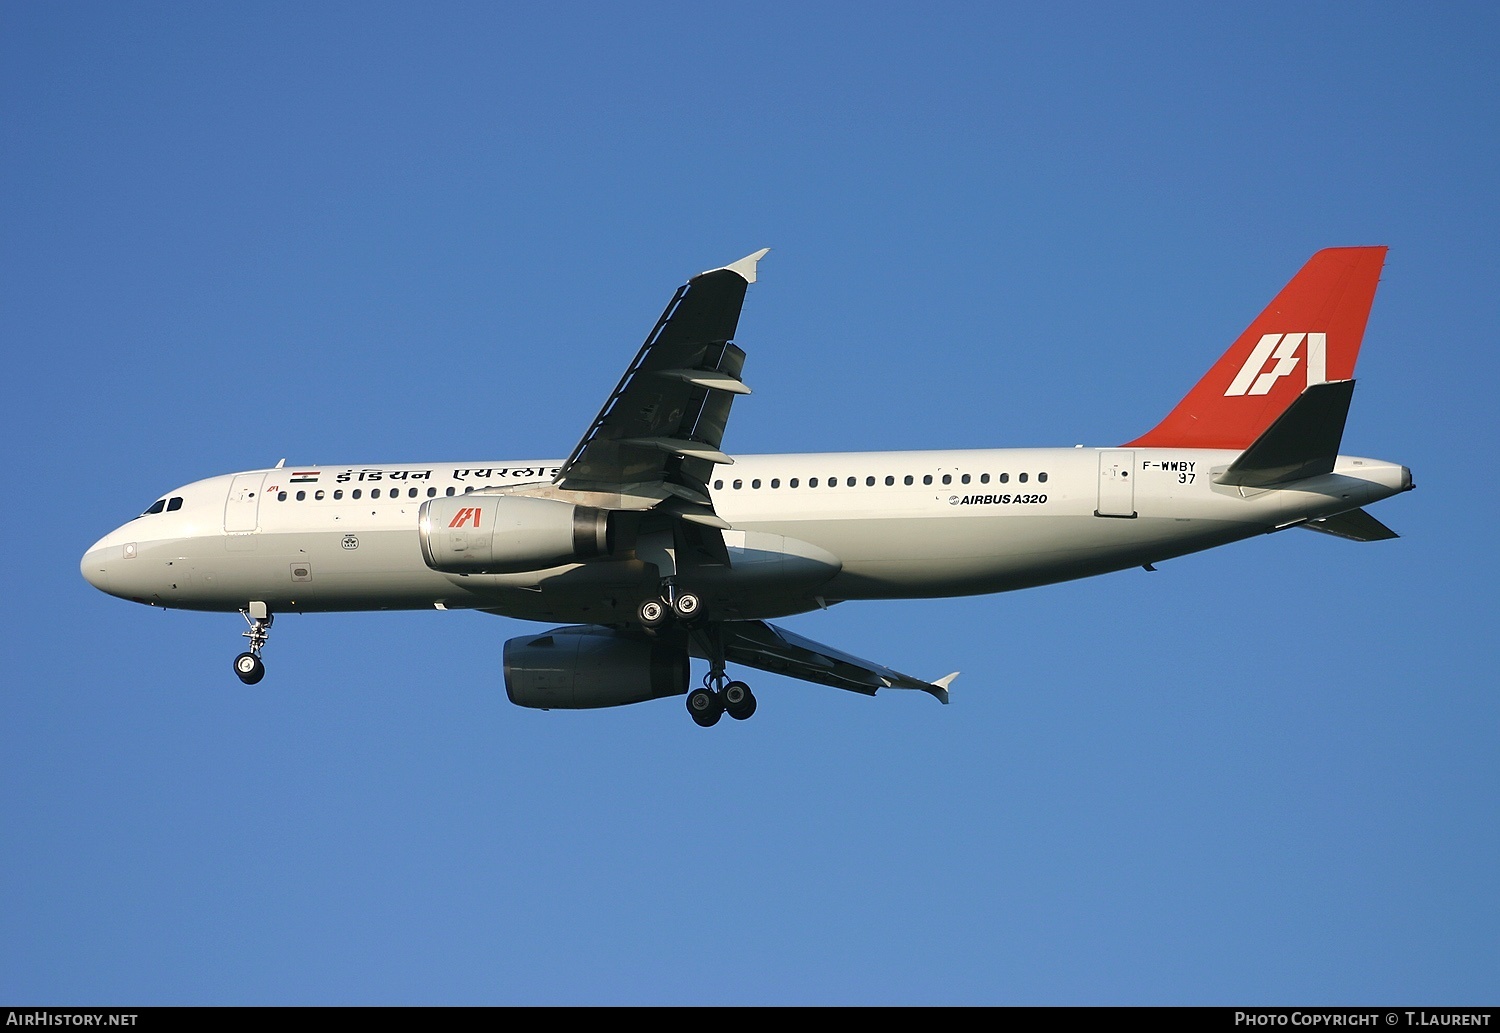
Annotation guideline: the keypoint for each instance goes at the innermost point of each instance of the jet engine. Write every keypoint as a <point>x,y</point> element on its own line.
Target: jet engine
<point>509,534</point>
<point>578,668</point>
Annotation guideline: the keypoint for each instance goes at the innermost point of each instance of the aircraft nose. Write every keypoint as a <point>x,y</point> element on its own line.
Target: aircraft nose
<point>95,568</point>
<point>100,566</point>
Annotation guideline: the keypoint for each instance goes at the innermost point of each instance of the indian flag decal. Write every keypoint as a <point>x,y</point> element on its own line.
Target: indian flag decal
<point>304,476</point>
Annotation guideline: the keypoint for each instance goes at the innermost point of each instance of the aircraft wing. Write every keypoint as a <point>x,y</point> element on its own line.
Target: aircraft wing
<point>769,648</point>
<point>662,427</point>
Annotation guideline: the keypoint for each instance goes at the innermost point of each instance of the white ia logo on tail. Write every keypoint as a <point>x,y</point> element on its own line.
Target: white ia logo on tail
<point>1254,379</point>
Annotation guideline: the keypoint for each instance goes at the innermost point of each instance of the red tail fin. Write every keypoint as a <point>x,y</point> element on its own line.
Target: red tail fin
<point>1310,334</point>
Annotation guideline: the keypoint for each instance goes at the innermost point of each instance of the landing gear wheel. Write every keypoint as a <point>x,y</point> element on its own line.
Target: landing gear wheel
<point>739,701</point>
<point>705,706</point>
<point>651,613</point>
<point>249,668</point>
<point>686,606</point>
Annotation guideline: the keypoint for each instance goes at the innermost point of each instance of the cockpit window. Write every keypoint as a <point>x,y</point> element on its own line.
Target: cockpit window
<point>156,507</point>
<point>174,503</point>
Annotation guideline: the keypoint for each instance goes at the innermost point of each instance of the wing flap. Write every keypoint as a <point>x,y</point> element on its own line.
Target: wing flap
<point>769,648</point>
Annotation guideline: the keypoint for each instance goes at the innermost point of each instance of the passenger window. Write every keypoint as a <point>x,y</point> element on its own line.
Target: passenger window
<point>908,479</point>
<point>775,482</point>
<point>355,493</point>
<point>301,496</point>
<point>833,482</point>
<point>792,483</point>
<point>964,478</point>
<point>927,478</point>
<point>1022,478</point>
<point>812,482</point>
<point>281,496</point>
<point>738,485</point>
<point>984,478</point>
<point>318,495</point>
<point>338,493</point>
<point>411,493</point>
<point>851,482</point>
<point>374,493</point>
<point>1042,478</point>
<point>947,478</point>
<point>174,503</point>
<point>718,485</point>
<point>889,480</point>
<point>755,483</point>
<point>431,492</point>
<point>450,490</point>
<point>1005,478</point>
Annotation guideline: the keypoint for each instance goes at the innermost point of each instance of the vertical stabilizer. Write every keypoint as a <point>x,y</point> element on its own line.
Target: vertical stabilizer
<point>1309,335</point>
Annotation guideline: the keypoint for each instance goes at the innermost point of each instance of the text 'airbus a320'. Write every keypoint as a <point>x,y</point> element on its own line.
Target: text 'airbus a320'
<point>652,546</point>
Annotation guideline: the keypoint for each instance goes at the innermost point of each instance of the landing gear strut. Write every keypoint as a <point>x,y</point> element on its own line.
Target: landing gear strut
<point>248,666</point>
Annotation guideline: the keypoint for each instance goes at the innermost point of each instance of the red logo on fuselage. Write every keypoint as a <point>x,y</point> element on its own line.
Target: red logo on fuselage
<point>464,515</point>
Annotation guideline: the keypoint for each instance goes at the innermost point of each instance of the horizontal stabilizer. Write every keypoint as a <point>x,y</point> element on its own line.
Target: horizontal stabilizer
<point>1302,442</point>
<point>1355,525</point>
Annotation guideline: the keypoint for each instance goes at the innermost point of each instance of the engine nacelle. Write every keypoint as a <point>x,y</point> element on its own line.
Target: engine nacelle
<point>578,668</point>
<point>509,534</point>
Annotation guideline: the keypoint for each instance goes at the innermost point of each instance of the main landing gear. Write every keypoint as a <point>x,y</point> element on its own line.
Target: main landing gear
<point>718,695</point>
<point>685,607</point>
<point>248,665</point>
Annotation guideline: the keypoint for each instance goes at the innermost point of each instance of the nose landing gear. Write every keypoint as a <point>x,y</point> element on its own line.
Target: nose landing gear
<point>248,666</point>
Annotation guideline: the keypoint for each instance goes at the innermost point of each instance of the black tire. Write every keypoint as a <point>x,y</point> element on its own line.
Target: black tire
<point>687,606</point>
<point>248,668</point>
<point>705,706</point>
<point>652,613</point>
<point>739,701</point>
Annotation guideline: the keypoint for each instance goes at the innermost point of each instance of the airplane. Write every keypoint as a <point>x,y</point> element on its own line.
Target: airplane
<point>652,547</point>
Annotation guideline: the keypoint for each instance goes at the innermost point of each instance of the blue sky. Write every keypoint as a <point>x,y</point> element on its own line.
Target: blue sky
<point>348,233</point>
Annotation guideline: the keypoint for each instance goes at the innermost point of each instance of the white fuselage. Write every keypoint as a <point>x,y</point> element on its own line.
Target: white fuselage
<point>900,524</point>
